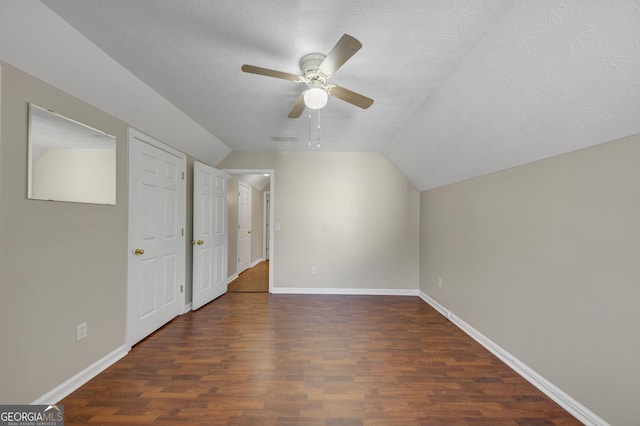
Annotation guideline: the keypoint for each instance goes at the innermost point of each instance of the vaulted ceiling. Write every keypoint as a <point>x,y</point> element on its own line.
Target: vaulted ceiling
<point>461,88</point>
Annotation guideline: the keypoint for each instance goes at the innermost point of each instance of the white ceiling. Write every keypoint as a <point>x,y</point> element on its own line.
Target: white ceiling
<point>461,88</point>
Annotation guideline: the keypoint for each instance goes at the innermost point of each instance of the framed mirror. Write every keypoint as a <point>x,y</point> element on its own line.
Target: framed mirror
<point>69,161</point>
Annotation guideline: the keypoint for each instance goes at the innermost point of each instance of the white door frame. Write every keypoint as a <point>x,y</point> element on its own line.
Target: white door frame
<point>265,215</point>
<point>131,134</point>
<point>272,190</point>
<point>244,232</point>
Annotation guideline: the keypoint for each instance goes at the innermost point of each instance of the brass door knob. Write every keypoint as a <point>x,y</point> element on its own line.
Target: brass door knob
<point>200,242</point>
<point>138,252</point>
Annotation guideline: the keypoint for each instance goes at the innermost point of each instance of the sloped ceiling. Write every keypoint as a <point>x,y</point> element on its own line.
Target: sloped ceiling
<point>548,77</point>
<point>461,88</point>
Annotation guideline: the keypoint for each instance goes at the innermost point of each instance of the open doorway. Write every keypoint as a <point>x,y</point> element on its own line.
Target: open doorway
<point>257,250</point>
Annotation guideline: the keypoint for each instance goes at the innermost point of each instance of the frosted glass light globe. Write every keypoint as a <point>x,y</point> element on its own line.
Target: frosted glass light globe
<point>315,98</point>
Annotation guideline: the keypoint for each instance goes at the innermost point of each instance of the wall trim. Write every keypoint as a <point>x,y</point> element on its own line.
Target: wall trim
<point>578,410</point>
<point>346,291</point>
<point>65,388</point>
<point>187,308</point>
<point>232,278</point>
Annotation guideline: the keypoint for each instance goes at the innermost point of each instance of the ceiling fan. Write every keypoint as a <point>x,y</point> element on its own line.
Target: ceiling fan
<point>316,69</point>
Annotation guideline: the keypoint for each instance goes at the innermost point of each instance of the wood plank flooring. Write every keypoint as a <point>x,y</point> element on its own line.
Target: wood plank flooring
<point>263,359</point>
<point>252,280</point>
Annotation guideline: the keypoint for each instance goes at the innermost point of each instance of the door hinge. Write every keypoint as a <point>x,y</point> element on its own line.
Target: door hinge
<point>181,288</point>
<point>182,175</point>
<point>182,232</point>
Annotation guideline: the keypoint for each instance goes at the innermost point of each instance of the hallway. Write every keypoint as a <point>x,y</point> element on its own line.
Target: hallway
<point>252,280</point>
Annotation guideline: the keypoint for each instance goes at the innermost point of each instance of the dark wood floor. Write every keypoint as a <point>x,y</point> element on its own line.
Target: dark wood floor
<point>263,359</point>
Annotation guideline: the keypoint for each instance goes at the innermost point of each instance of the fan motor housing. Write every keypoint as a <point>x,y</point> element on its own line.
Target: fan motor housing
<point>309,65</point>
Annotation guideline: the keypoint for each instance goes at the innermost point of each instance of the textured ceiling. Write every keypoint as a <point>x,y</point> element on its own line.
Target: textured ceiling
<point>461,88</point>
<point>548,78</point>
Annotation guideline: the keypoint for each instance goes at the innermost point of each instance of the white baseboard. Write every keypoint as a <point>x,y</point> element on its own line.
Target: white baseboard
<point>351,291</point>
<point>64,389</point>
<point>578,410</point>
<point>187,308</point>
<point>231,278</point>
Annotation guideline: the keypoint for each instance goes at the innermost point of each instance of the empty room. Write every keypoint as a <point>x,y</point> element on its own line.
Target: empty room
<point>320,213</point>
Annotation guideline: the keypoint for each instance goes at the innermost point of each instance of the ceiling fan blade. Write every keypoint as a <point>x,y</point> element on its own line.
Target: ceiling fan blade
<point>270,73</point>
<point>349,96</point>
<point>345,48</point>
<point>298,107</point>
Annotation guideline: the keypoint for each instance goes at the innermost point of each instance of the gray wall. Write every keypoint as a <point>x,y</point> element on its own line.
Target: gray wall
<point>62,263</point>
<point>352,215</point>
<point>544,259</point>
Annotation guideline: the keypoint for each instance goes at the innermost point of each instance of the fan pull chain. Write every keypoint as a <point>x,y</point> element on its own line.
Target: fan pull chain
<point>309,116</point>
<point>318,126</point>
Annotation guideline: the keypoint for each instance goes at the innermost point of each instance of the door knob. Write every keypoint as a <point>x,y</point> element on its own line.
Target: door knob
<point>200,242</point>
<point>248,232</point>
<point>138,252</point>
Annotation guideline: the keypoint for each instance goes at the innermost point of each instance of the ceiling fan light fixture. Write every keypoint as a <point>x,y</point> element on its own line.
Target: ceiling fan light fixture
<point>315,98</point>
<point>316,69</point>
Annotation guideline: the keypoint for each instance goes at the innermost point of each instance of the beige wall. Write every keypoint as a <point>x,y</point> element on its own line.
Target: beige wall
<point>62,263</point>
<point>352,215</point>
<point>544,260</point>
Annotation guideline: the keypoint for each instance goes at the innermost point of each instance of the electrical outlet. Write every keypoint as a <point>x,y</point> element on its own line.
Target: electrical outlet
<point>314,270</point>
<point>81,331</point>
<point>440,282</point>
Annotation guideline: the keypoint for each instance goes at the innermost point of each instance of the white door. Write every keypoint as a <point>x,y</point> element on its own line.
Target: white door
<point>210,246</point>
<point>244,226</point>
<point>157,203</point>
